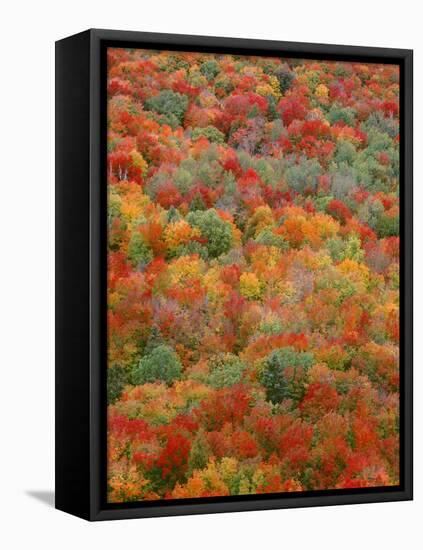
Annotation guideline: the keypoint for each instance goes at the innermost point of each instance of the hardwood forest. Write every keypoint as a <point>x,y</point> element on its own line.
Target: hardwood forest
<point>253,275</point>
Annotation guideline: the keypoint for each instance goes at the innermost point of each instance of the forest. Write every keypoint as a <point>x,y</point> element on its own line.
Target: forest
<point>253,275</point>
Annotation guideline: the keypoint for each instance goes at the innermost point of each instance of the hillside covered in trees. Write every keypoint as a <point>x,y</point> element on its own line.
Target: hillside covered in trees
<point>253,290</point>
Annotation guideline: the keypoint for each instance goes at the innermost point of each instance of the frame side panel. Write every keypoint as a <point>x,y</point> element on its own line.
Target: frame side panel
<point>407,277</point>
<point>72,275</point>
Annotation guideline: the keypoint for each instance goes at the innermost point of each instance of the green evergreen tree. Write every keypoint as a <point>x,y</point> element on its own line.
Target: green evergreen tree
<point>278,384</point>
<point>117,378</point>
<point>285,78</point>
<point>155,339</point>
<point>199,454</point>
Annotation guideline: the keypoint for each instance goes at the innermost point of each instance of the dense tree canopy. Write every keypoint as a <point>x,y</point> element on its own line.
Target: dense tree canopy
<point>253,288</point>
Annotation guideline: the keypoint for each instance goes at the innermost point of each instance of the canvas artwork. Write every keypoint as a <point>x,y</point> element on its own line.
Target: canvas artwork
<point>253,275</point>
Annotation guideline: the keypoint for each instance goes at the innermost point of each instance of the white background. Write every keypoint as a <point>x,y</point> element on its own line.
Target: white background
<point>28,32</point>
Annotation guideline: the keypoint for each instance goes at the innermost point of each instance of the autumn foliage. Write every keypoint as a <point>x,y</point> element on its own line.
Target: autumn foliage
<point>253,275</point>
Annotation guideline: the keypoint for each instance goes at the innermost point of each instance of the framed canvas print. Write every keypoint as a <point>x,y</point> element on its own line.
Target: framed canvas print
<point>233,274</point>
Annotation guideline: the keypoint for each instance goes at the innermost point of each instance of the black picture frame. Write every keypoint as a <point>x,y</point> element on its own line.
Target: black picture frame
<point>81,274</point>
